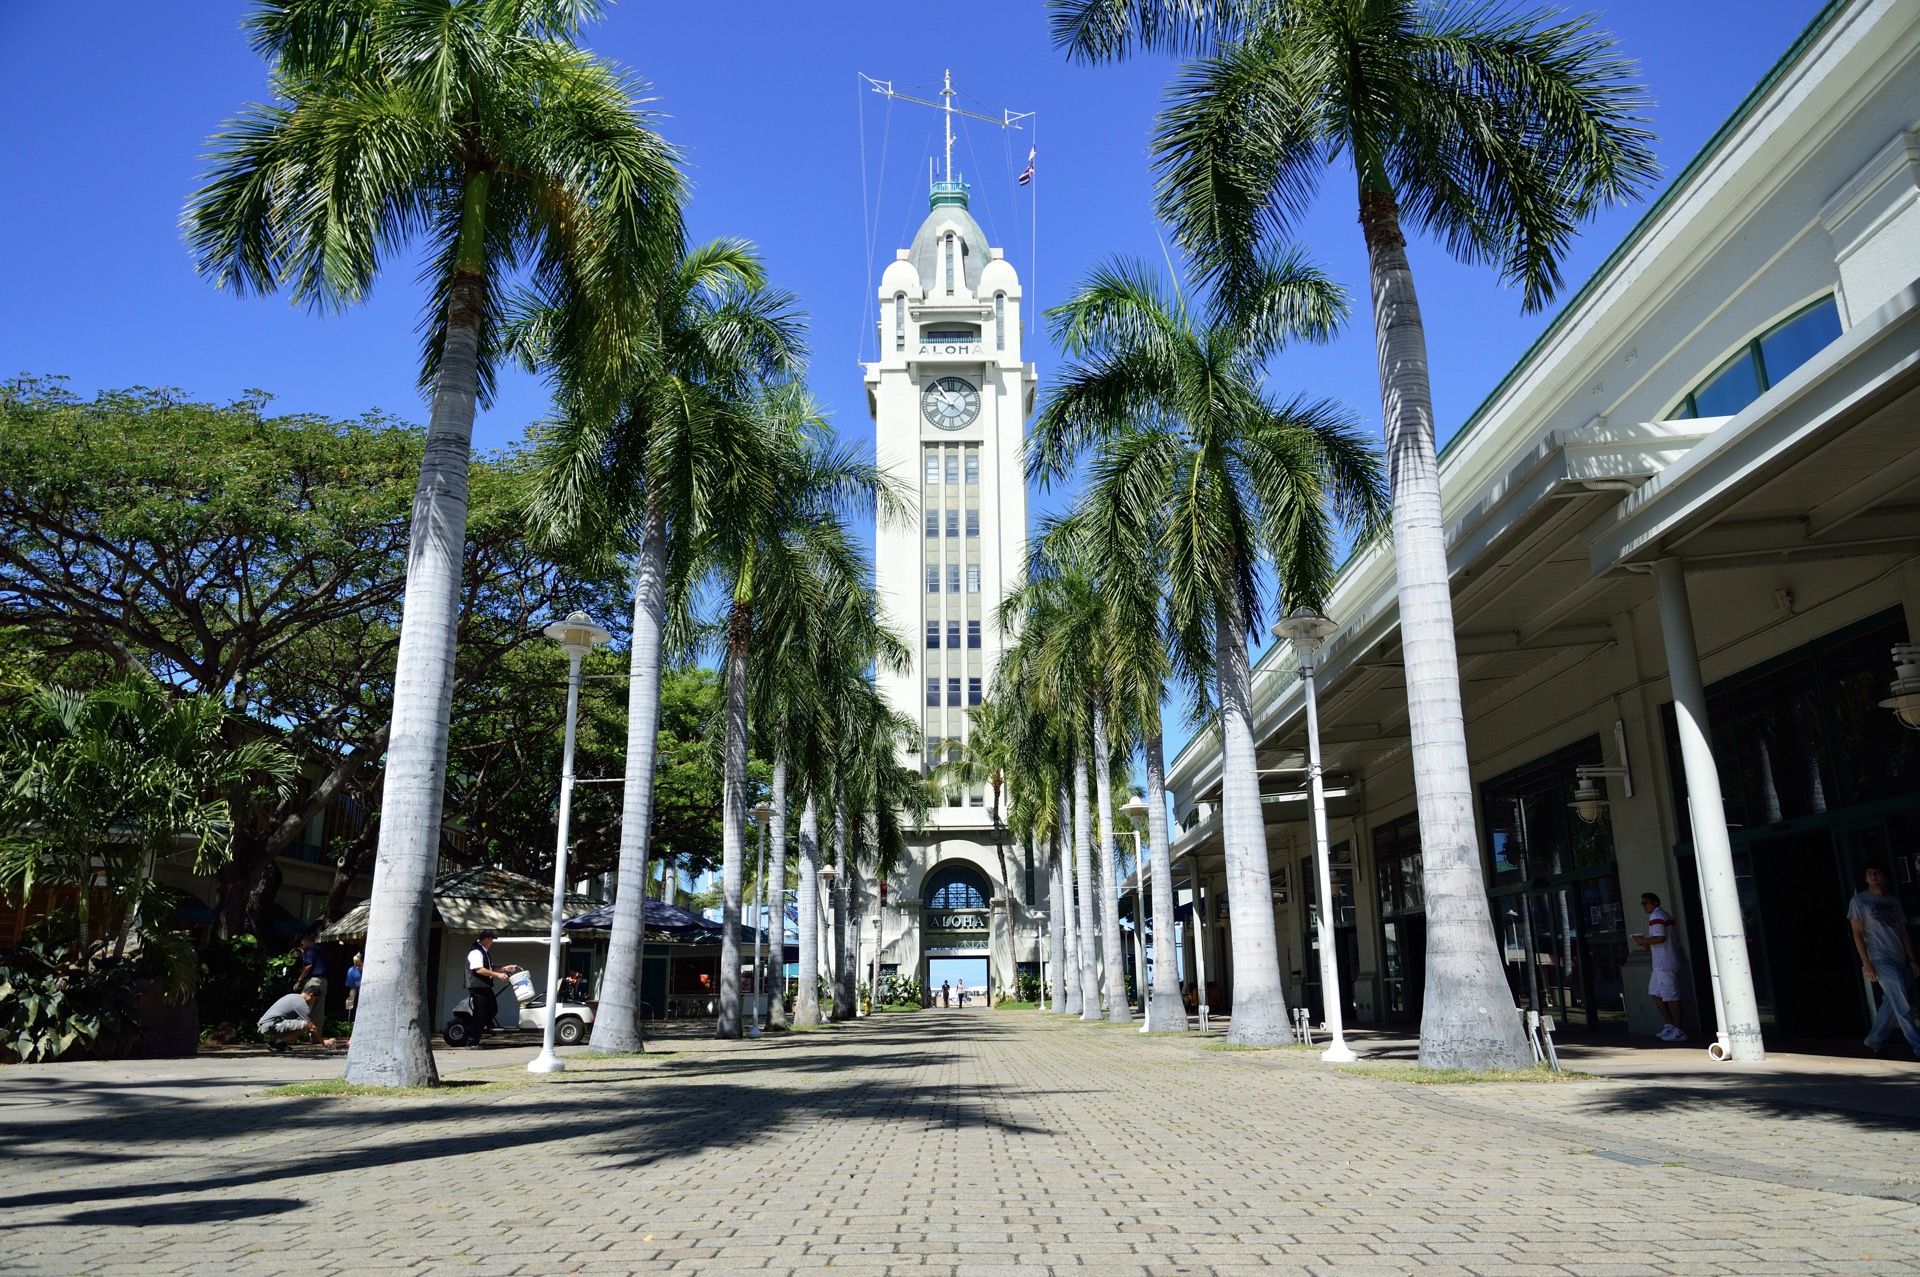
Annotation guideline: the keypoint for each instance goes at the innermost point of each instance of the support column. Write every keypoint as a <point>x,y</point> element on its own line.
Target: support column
<point>1719,895</point>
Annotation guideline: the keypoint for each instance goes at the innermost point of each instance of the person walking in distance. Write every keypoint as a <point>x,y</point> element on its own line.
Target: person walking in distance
<point>946,993</point>
<point>481,973</point>
<point>1886,958</point>
<point>1664,987</point>
<point>354,975</point>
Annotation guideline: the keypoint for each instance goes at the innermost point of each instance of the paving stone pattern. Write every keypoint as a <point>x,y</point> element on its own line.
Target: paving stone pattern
<point>1003,1143</point>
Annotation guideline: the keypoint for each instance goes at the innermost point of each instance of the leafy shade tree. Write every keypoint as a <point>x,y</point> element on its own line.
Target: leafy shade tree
<point>1496,131</point>
<point>261,559</point>
<point>97,786</point>
<point>480,127</point>
<point>641,462</point>
<point>1229,479</point>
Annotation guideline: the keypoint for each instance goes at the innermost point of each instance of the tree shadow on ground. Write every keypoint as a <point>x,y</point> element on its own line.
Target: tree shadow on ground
<point>661,1114</point>
<point>221,1210</point>
<point>1872,1103</point>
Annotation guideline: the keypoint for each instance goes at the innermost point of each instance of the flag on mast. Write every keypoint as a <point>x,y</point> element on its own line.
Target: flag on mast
<point>1026,175</point>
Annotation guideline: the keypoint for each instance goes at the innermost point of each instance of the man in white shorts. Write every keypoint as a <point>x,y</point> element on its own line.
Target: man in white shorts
<point>1664,987</point>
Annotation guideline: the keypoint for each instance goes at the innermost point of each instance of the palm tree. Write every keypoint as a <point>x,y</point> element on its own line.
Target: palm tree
<point>1191,442</point>
<point>636,467</point>
<point>96,786</point>
<point>1131,570</point>
<point>777,542</point>
<point>482,129</point>
<point>984,758</point>
<point>1494,130</point>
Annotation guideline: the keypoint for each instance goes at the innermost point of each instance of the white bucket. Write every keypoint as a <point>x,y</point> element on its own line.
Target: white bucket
<point>522,984</point>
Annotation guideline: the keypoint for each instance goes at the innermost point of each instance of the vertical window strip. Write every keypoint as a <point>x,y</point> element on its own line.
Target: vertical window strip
<point>999,321</point>
<point>949,261</point>
<point>899,321</point>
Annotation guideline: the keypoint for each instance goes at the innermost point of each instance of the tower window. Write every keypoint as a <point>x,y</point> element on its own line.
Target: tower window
<point>999,321</point>
<point>973,467</point>
<point>933,523</point>
<point>933,465</point>
<point>973,578</point>
<point>953,467</point>
<point>973,691</point>
<point>953,634</point>
<point>933,578</point>
<point>933,692</point>
<point>932,755</point>
<point>899,321</point>
<point>933,634</point>
<point>973,522</point>
<point>973,634</point>
<point>953,691</point>
<point>953,523</point>
<point>949,261</point>
<point>953,578</point>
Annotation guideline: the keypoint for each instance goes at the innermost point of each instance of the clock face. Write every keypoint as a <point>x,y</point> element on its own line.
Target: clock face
<point>950,403</point>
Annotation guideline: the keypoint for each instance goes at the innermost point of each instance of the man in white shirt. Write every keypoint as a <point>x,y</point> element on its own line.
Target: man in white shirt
<point>1664,986</point>
<point>481,973</point>
<point>1886,957</point>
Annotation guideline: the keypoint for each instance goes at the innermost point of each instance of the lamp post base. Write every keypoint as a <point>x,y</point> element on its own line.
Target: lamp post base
<point>546,1062</point>
<point>1339,1052</point>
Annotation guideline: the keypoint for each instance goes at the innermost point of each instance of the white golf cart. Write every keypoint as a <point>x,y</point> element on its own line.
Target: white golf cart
<point>525,1001</point>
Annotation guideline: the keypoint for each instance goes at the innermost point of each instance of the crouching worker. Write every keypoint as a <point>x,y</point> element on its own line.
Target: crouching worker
<point>291,1018</point>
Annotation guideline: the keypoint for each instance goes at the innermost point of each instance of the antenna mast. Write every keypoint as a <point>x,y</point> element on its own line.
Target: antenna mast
<point>1006,119</point>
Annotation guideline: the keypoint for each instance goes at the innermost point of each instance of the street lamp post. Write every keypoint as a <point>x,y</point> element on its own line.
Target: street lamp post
<point>1306,629</point>
<point>1136,811</point>
<point>825,875</point>
<point>577,635</point>
<point>761,815</point>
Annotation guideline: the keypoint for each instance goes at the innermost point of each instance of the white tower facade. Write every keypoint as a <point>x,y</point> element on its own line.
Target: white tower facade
<point>950,396</point>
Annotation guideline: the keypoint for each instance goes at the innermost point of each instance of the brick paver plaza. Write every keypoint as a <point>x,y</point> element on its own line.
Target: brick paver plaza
<point>952,1143</point>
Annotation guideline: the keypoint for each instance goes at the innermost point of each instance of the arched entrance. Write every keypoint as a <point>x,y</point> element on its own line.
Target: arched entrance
<point>956,930</point>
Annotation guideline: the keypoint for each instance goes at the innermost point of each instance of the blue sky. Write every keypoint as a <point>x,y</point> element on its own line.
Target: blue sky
<point>106,109</point>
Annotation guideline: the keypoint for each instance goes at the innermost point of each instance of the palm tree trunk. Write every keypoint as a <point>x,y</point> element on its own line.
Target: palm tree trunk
<point>617,1026</point>
<point>1468,1020</point>
<point>734,820</point>
<point>1167,1015</point>
<point>777,895</point>
<point>1089,919</point>
<point>842,968</point>
<point>1006,885</point>
<point>1259,1000</point>
<point>1118,1011</point>
<point>1070,910</point>
<point>806,998</point>
<point>390,1042</point>
<point>1058,908</point>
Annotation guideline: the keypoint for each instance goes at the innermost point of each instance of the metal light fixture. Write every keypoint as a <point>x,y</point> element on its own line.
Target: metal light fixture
<point>1589,800</point>
<point>1307,629</point>
<point>1905,700</point>
<point>577,635</point>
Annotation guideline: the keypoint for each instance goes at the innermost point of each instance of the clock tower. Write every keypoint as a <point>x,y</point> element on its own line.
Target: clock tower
<point>950,396</point>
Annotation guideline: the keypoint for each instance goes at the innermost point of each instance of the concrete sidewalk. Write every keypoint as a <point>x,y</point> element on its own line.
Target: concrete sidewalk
<point>998,1142</point>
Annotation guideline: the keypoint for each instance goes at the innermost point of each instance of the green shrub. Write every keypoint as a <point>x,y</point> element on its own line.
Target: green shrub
<point>1026,987</point>
<point>56,1004</point>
